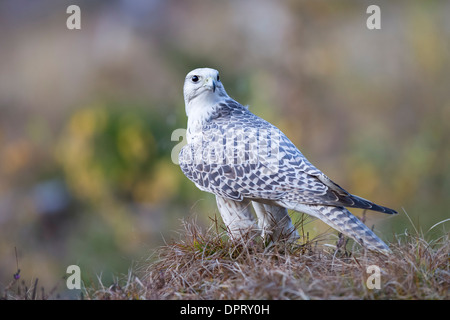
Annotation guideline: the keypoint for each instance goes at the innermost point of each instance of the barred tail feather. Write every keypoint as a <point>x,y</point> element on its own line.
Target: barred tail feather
<point>343,221</point>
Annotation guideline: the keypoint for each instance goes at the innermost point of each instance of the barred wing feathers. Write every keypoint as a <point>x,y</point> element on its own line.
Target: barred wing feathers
<point>291,178</point>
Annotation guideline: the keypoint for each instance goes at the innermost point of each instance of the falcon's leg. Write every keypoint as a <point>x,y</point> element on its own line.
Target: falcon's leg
<point>237,217</point>
<point>343,221</point>
<point>275,223</point>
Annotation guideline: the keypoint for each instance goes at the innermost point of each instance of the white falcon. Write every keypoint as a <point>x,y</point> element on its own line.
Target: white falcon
<point>244,160</point>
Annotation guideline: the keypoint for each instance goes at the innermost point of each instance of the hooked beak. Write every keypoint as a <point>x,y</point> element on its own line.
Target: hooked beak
<point>210,84</point>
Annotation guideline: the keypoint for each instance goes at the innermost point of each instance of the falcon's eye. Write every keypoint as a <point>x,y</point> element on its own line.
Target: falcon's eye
<point>194,78</point>
<point>218,78</point>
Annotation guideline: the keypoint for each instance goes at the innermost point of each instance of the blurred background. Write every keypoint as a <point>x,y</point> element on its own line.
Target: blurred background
<point>86,116</point>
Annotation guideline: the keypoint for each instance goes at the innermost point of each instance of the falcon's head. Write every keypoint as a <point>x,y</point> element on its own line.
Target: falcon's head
<point>202,88</point>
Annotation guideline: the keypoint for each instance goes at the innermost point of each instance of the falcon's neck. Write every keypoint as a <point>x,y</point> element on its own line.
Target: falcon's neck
<point>203,111</point>
<point>198,115</point>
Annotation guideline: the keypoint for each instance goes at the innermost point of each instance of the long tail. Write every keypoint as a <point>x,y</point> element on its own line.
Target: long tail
<point>343,221</point>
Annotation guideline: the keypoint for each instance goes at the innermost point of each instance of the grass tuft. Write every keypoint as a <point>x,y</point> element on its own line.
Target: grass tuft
<point>205,264</point>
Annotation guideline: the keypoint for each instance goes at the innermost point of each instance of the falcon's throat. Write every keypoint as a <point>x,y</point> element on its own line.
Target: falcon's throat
<point>203,102</point>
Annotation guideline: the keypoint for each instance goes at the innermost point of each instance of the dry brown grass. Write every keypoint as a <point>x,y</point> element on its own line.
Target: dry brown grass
<point>205,264</point>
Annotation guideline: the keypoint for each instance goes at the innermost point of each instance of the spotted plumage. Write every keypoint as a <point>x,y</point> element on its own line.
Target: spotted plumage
<point>244,159</point>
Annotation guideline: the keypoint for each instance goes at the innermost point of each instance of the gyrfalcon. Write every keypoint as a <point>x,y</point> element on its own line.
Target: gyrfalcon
<point>244,160</point>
